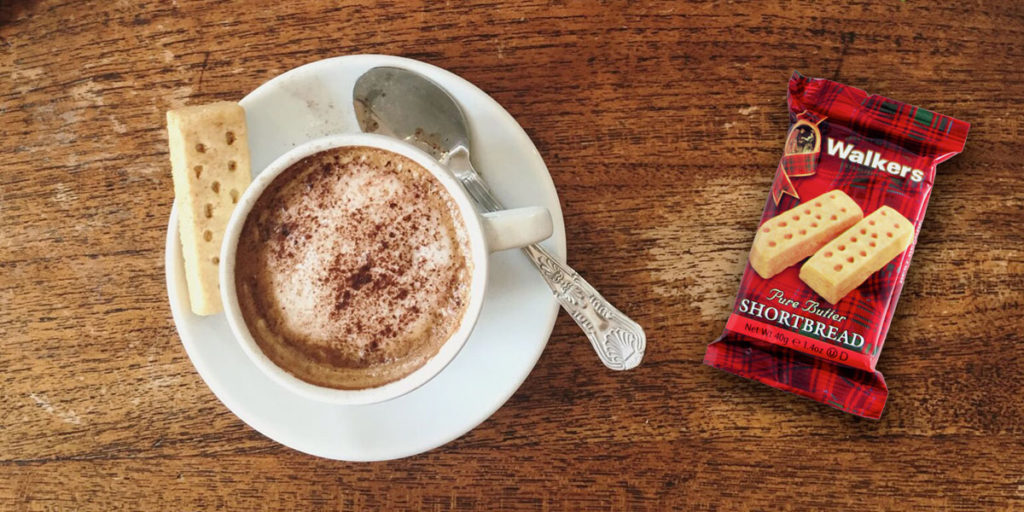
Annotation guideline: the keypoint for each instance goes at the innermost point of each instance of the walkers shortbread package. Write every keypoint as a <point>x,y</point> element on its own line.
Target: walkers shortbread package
<point>832,250</point>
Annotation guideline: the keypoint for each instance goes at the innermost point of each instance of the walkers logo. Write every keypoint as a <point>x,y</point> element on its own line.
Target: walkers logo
<point>872,159</point>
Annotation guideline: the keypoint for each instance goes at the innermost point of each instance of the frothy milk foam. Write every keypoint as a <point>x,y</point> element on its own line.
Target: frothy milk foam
<point>353,268</point>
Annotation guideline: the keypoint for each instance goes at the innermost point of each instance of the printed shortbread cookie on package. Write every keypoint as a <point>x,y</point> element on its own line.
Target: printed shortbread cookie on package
<point>832,250</point>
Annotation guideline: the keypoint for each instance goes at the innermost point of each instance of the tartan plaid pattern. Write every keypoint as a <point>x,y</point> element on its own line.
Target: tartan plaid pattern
<point>897,132</point>
<point>846,389</point>
<point>792,166</point>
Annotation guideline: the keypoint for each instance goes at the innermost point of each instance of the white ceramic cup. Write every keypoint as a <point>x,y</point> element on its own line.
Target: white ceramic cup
<point>487,233</point>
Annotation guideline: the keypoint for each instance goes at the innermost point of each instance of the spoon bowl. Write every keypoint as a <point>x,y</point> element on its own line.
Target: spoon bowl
<point>408,106</point>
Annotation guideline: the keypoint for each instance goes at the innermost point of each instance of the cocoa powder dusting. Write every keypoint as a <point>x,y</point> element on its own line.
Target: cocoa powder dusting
<point>361,277</point>
<point>357,266</point>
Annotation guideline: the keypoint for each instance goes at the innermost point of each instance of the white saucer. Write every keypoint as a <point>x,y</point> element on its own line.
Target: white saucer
<point>518,314</point>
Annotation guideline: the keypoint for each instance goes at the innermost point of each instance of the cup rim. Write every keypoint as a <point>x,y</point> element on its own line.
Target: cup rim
<point>448,350</point>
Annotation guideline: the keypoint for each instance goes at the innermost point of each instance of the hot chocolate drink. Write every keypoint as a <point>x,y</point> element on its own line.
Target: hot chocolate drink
<point>353,268</point>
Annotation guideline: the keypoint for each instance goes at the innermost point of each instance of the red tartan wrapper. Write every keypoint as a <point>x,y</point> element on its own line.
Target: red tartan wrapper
<point>879,152</point>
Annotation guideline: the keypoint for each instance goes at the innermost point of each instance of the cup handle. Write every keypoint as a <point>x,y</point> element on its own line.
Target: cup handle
<point>519,227</point>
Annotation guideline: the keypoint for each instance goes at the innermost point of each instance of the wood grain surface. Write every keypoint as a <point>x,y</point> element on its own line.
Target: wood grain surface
<point>661,123</point>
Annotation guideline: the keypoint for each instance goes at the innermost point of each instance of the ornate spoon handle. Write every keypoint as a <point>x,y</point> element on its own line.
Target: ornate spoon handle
<point>619,341</point>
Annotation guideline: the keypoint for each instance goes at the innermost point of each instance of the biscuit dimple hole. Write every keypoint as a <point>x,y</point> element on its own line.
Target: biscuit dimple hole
<point>230,137</point>
<point>874,235</point>
<point>889,235</point>
<point>232,165</point>
<point>215,187</point>
<point>833,217</point>
<point>208,210</point>
<point>782,224</point>
<point>208,235</point>
<point>841,247</point>
<point>814,224</point>
<point>200,148</point>
<point>766,230</point>
<point>818,204</point>
<point>882,213</point>
<point>796,217</point>
<point>828,254</point>
<point>872,244</point>
<point>897,226</point>
<point>872,222</point>
<point>850,259</point>
<point>234,196</point>
<point>803,231</point>
<point>853,239</point>
<point>771,244</point>
<point>818,216</point>
<point>215,260</point>
<point>843,210</point>
<point>198,170</point>
<point>863,254</point>
<point>833,196</point>
<point>837,268</point>
<point>807,211</point>
<point>863,231</point>
<point>788,236</point>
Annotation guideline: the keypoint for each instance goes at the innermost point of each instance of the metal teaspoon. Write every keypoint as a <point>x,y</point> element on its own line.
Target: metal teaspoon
<point>408,106</point>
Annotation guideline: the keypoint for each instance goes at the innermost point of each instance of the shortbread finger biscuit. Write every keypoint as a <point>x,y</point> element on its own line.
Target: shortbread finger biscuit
<point>797,233</point>
<point>846,262</point>
<point>210,165</point>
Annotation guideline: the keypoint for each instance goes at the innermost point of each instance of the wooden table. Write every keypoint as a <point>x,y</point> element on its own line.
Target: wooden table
<point>661,123</point>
